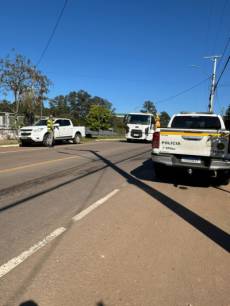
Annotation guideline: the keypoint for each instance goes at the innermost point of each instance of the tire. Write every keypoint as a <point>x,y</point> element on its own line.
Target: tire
<point>77,138</point>
<point>129,140</point>
<point>159,170</point>
<point>47,142</point>
<point>23,143</point>
<point>223,177</point>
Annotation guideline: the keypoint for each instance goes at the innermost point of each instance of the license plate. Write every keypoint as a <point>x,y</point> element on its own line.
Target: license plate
<point>191,160</point>
<point>136,135</point>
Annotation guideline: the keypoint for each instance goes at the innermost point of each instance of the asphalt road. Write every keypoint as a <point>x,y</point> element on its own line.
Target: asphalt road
<point>149,242</point>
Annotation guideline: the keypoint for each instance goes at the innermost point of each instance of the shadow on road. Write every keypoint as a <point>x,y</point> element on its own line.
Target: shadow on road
<point>29,303</point>
<point>176,177</point>
<point>222,189</point>
<point>32,303</point>
<point>173,176</point>
<point>100,303</point>
<point>210,230</point>
<point>216,234</point>
<point>88,172</point>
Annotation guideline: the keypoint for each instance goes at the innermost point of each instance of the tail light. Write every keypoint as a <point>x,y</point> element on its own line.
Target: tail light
<point>156,140</point>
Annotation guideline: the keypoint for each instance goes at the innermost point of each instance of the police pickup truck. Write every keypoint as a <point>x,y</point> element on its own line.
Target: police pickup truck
<point>63,130</point>
<point>193,141</point>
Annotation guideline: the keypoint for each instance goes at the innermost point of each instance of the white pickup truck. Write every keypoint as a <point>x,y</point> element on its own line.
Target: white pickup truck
<point>193,141</point>
<point>63,130</point>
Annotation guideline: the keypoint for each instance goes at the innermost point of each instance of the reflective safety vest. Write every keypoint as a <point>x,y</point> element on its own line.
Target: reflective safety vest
<point>50,125</point>
<point>157,122</point>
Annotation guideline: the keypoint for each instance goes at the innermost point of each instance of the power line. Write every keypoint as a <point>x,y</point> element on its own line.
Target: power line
<point>220,23</point>
<point>52,33</point>
<point>225,66</point>
<point>183,91</point>
<point>224,51</point>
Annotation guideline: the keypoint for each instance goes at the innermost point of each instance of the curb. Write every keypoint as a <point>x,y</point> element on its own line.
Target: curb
<point>108,139</point>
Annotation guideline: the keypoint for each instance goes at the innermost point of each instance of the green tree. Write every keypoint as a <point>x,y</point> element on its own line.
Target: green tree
<point>6,106</point>
<point>99,118</point>
<point>227,113</point>
<point>19,75</point>
<point>102,102</point>
<point>59,106</point>
<point>149,107</point>
<point>118,125</point>
<point>164,119</point>
<point>79,103</point>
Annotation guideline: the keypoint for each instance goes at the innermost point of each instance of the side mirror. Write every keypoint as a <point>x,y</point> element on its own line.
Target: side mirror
<point>56,125</point>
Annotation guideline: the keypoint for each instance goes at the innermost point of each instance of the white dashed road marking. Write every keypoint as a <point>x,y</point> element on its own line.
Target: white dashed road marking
<point>14,262</point>
<point>86,211</point>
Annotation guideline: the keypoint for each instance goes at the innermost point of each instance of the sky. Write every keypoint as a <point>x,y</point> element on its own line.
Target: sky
<point>126,51</point>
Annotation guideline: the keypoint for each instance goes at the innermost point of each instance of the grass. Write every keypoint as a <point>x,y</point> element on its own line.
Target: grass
<point>8,142</point>
<point>112,137</point>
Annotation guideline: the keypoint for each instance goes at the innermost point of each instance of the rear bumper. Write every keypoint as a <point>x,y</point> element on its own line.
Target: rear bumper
<point>207,164</point>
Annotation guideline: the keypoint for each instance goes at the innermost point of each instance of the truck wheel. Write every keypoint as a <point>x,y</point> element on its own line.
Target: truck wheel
<point>223,177</point>
<point>48,140</point>
<point>77,138</point>
<point>129,140</point>
<point>22,143</point>
<point>159,170</point>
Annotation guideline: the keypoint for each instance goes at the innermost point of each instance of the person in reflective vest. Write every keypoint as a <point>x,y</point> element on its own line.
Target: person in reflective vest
<point>50,128</point>
<point>157,122</point>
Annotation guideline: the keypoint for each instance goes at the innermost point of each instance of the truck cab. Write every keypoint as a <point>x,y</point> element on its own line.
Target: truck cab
<point>139,126</point>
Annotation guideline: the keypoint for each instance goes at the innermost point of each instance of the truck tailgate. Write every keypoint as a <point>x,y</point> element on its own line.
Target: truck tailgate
<point>193,142</point>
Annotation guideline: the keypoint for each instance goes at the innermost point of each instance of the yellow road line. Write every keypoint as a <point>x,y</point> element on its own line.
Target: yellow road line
<point>19,151</point>
<point>36,164</point>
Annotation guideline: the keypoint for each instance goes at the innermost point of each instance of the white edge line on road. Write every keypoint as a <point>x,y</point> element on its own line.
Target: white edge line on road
<point>9,146</point>
<point>86,211</point>
<point>20,151</point>
<point>14,262</point>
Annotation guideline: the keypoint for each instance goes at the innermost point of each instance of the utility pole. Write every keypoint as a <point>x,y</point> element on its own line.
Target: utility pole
<point>212,89</point>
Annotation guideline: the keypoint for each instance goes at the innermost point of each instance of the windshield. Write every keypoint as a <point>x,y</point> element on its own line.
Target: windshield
<point>139,119</point>
<point>196,122</point>
<point>41,122</point>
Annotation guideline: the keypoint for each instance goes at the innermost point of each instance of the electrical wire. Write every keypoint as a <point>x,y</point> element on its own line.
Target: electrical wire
<point>52,33</point>
<point>182,92</point>
<point>220,24</point>
<point>222,72</point>
<point>224,51</point>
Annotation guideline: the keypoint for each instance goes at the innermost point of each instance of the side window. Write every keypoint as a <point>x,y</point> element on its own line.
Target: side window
<point>66,122</point>
<point>63,122</point>
<point>59,121</point>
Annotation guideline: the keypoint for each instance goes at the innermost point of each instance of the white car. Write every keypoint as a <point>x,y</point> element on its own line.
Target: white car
<point>63,130</point>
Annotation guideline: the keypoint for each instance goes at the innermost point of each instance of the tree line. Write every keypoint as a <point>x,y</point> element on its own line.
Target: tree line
<point>29,88</point>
